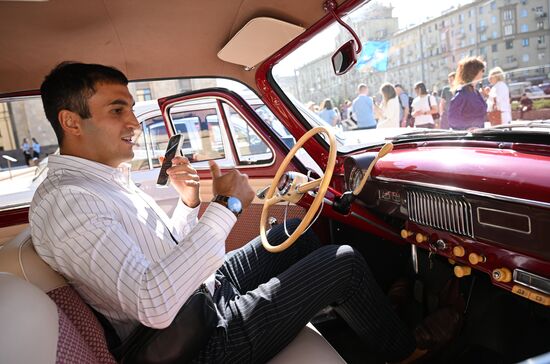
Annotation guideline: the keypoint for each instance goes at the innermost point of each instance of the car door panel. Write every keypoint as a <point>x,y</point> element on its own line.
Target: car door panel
<point>248,137</point>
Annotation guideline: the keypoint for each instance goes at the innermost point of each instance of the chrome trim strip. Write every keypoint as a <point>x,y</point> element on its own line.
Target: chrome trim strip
<point>530,275</point>
<point>471,192</point>
<point>504,227</point>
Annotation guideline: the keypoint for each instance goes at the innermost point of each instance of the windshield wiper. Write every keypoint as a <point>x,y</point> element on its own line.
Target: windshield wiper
<point>538,126</point>
<point>428,134</point>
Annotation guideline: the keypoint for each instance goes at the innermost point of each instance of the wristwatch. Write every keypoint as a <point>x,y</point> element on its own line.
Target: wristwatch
<point>233,204</point>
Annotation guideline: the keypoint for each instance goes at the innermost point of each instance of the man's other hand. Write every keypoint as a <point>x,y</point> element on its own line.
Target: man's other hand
<point>185,180</point>
<point>233,183</point>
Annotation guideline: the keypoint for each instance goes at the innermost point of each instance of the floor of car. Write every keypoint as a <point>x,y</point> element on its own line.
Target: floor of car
<point>498,326</point>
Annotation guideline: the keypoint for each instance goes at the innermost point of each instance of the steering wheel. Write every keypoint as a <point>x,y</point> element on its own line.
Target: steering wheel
<point>298,184</point>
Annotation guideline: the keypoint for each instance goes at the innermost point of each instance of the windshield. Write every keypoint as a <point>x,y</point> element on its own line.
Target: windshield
<point>451,69</point>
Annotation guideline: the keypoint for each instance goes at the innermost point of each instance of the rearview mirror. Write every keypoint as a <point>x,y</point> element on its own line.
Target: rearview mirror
<point>344,58</point>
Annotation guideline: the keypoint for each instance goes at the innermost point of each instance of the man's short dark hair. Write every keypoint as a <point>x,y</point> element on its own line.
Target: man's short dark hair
<point>69,86</point>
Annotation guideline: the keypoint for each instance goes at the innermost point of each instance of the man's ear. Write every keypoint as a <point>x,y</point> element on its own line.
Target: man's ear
<point>70,122</point>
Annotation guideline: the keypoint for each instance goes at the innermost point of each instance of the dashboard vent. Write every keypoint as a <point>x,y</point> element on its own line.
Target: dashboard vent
<point>441,211</point>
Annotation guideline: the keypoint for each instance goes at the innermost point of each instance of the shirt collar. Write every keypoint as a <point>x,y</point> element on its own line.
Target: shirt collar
<point>86,166</point>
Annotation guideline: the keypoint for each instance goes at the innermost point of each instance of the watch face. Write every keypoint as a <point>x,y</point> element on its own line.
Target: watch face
<point>234,205</point>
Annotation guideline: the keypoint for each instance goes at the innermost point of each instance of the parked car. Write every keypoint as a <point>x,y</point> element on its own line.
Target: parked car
<point>459,216</point>
<point>545,87</point>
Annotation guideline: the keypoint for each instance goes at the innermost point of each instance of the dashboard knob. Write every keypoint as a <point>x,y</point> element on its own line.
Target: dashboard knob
<point>459,251</point>
<point>406,233</point>
<point>502,275</point>
<point>476,258</point>
<point>421,238</point>
<point>462,271</point>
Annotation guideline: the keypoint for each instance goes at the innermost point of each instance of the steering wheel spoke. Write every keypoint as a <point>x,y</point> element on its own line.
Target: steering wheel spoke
<point>311,185</point>
<point>273,200</point>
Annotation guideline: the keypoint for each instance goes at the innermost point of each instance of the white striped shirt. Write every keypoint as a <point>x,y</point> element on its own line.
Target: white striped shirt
<point>111,241</point>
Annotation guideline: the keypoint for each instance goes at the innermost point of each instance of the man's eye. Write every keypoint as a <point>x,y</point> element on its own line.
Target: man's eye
<point>117,111</point>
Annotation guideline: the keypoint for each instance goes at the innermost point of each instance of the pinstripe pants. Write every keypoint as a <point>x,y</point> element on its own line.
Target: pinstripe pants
<point>264,300</point>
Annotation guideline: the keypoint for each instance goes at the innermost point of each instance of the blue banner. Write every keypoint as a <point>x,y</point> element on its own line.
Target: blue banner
<point>374,56</point>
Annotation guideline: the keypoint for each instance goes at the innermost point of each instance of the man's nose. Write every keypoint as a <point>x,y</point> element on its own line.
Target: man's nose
<point>133,122</point>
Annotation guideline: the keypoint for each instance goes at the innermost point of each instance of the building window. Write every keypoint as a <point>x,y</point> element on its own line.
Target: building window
<point>481,9</point>
<point>540,25</point>
<point>508,14</point>
<point>470,27</point>
<point>510,44</point>
<point>510,59</point>
<point>541,56</point>
<point>495,62</point>
<point>461,18</point>
<point>494,47</point>
<point>472,41</point>
<point>493,19</point>
<point>143,94</point>
<point>525,58</point>
<point>482,23</point>
<point>523,13</point>
<point>524,28</point>
<point>483,37</point>
<point>525,42</point>
<point>540,39</point>
<point>493,5</point>
<point>470,13</point>
<point>508,29</point>
<point>483,50</point>
<point>495,35</point>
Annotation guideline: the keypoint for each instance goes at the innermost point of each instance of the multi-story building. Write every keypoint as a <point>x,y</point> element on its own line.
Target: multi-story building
<point>512,34</point>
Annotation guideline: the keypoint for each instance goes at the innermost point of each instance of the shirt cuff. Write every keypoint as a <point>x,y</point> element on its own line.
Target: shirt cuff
<point>219,218</point>
<point>184,218</point>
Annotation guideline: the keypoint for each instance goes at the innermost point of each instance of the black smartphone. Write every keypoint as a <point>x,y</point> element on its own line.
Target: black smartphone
<point>173,149</point>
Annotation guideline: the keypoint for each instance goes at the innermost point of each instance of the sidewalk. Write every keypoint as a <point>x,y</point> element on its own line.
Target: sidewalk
<point>16,172</point>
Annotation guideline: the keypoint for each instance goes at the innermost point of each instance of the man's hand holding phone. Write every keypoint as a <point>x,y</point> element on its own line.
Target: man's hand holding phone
<point>233,183</point>
<point>185,180</point>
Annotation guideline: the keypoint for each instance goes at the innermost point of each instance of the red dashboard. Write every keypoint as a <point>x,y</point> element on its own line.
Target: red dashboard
<point>483,205</point>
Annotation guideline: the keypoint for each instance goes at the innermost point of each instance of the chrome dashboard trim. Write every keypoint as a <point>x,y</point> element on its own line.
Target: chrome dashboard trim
<point>520,273</point>
<point>528,232</point>
<point>440,210</point>
<point>464,190</point>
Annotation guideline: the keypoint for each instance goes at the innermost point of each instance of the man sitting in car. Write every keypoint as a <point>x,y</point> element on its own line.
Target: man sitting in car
<point>134,265</point>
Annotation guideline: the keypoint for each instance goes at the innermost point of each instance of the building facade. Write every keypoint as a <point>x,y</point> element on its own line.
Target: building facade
<point>511,34</point>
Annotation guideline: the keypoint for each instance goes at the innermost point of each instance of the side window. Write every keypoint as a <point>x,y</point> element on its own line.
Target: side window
<point>156,138</point>
<point>271,120</point>
<point>251,149</point>
<point>140,161</point>
<point>199,123</point>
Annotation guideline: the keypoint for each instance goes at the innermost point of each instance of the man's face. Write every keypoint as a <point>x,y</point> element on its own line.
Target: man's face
<point>107,134</point>
<point>398,90</point>
<point>451,80</point>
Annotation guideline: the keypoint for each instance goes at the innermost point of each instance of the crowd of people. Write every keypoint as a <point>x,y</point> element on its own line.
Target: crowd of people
<point>461,105</point>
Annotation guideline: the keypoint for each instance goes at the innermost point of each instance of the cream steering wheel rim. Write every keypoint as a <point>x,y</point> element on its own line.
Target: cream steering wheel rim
<point>322,183</point>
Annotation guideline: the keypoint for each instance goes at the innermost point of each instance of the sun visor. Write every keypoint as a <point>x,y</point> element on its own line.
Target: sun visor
<point>257,40</point>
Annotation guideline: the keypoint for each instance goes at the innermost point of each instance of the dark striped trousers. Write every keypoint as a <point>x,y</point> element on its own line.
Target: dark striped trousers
<point>265,299</point>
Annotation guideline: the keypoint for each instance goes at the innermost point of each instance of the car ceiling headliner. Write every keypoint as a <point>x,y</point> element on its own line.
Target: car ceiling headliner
<point>143,38</point>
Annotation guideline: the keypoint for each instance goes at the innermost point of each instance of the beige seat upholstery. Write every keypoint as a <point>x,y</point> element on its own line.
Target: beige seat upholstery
<point>28,321</point>
<point>309,347</point>
<point>19,258</point>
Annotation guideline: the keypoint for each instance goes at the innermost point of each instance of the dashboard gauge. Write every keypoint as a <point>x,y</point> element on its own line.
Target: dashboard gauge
<point>355,178</point>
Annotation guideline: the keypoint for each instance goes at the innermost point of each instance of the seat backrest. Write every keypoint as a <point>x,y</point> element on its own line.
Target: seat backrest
<point>29,323</point>
<point>81,337</point>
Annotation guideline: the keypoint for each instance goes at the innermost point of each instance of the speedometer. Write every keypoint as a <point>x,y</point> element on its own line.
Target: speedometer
<point>355,178</point>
